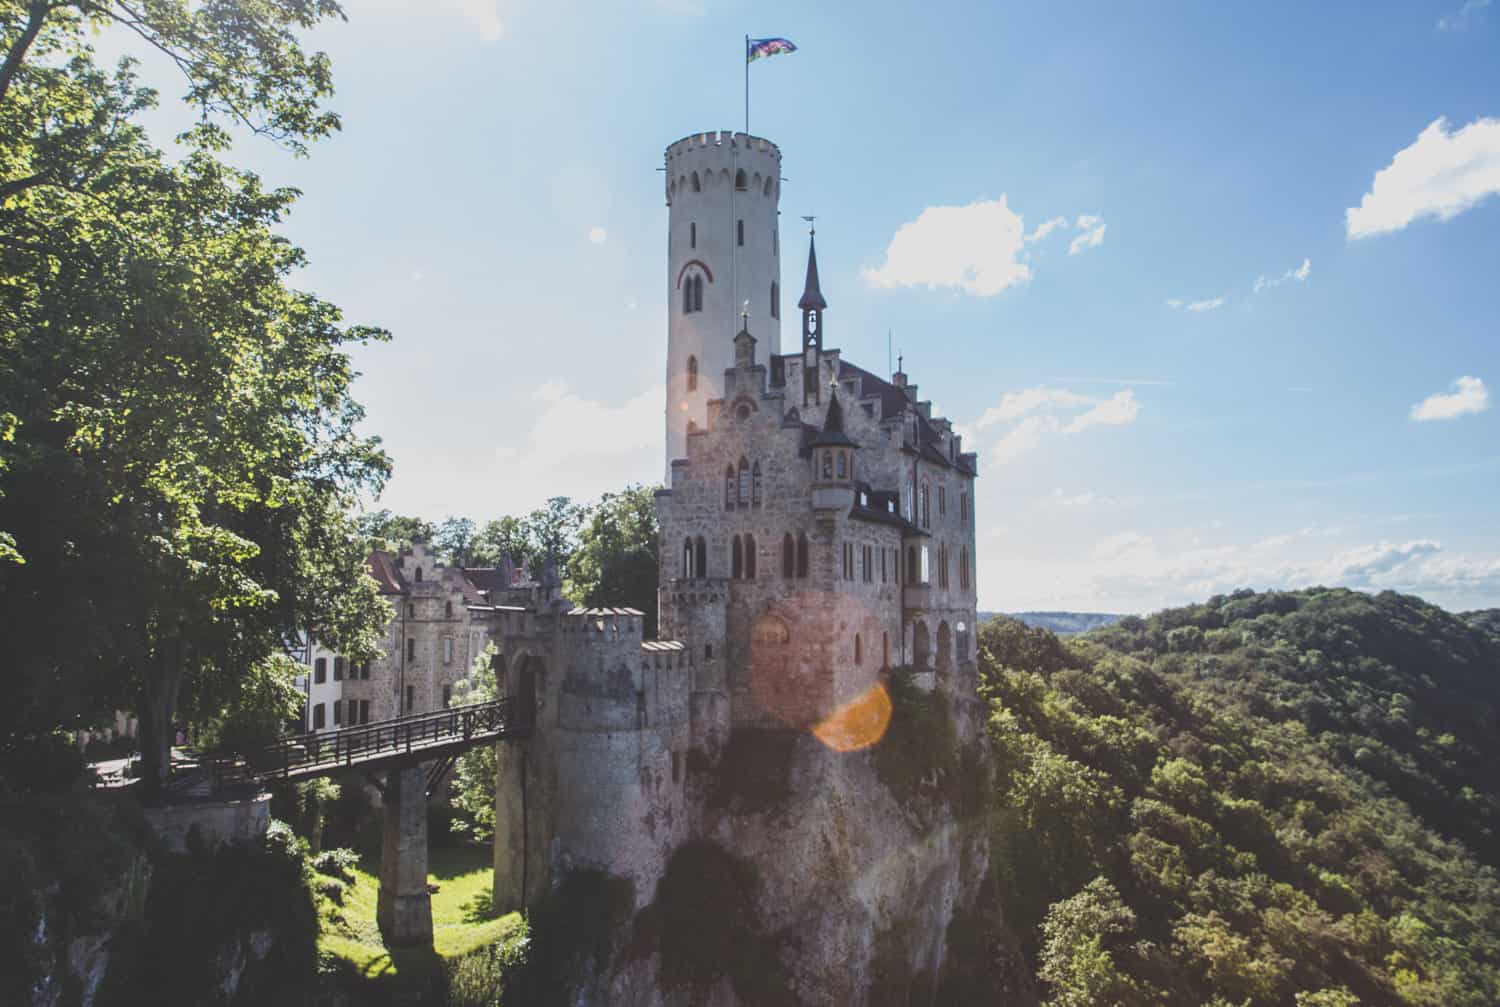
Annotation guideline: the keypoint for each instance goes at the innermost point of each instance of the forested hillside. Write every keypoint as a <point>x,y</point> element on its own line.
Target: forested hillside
<point>1268,799</point>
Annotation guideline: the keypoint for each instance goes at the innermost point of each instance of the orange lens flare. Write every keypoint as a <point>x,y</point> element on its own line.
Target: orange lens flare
<point>857,724</point>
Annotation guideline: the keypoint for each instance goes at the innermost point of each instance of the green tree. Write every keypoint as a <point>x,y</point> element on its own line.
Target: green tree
<point>1077,959</point>
<point>385,530</point>
<point>616,561</point>
<point>502,539</point>
<point>179,440</point>
<point>455,541</point>
<point>552,533</point>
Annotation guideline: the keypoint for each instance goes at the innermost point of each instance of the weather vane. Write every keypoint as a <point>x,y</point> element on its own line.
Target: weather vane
<point>745,312</point>
<point>811,228</point>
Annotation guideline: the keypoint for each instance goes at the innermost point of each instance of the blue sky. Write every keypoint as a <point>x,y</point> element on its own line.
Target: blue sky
<point>1151,427</point>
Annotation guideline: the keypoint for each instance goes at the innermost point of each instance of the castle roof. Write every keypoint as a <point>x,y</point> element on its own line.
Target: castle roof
<point>893,402</point>
<point>382,566</point>
<point>832,434</point>
<point>880,507</point>
<point>812,297</point>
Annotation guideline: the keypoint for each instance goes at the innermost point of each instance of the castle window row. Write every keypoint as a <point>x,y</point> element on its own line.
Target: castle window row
<point>355,670</point>
<point>742,486</point>
<point>794,556</point>
<point>694,558</point>
<point>742,183</point>
<point>692,297</point>
<point>742,557</point>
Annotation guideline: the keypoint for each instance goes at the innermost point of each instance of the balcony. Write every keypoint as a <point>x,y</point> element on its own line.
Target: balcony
<point>916,596</point>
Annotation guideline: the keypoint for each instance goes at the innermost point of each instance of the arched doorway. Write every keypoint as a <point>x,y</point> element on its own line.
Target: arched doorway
<point>921,647</point>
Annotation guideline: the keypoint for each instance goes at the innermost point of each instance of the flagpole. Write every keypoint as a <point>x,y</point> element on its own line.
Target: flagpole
<point>747,85</point>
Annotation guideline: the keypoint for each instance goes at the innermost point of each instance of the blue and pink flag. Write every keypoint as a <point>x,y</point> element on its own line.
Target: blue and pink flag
<point>759,48</point>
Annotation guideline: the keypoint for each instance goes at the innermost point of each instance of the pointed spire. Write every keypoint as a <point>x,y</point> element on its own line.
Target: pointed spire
<point>833,433</point>
<point>812,297</point>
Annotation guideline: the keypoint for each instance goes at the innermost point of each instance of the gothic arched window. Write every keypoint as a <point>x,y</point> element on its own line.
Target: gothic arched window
<point>693,235</point>
<point>736,558</point>
<point>802,556</point>
<point>744,487</point>
<point>729,487</point>
<point>749,557</point>
<point>926,505</point>
<point>692,374</point>
<point>775,299</point>
<point>739,180</point>
<point>827,464</point>
<point>697,186</point>
<point>843,465</point>
<point>700,558</point>
<point>788,556</point>
<point>687,296</point>
<point>755,485</point>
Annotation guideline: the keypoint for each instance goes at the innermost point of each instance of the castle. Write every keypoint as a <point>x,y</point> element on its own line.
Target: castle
<point>816,534</point>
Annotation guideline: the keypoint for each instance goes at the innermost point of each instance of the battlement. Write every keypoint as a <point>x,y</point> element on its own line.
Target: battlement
<point>723,139</point>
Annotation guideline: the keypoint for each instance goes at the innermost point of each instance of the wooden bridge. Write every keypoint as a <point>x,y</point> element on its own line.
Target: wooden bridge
<point>440,736</point>
<point>412,754</point>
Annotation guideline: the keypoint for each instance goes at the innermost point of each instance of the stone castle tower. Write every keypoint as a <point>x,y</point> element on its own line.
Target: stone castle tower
<point>817,526</point>
<point>723,250</point>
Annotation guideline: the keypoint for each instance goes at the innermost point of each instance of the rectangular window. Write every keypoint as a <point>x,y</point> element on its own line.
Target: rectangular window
<point>338,713</point>
<point>963,506</point>
<point>364,711</point>
<point>320,670</point>
<point>319,717</point>
<point>447,695</point>
<point>364,671</point>
<point>411,697</point>
<point>740,232</point>
<point>693,235</point>
<point>926,570</point>
<point>447,650</point>
<point>942,501</point>
<point>411,648</point>
<point>338,669</point>
<point>353,712</point>
<point>883,554</point>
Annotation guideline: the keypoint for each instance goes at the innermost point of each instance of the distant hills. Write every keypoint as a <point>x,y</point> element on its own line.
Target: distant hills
<point>1061,623</point>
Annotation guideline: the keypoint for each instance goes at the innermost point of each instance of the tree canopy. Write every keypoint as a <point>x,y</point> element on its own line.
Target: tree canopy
<point>178,438</point>
<point>1275,799</point>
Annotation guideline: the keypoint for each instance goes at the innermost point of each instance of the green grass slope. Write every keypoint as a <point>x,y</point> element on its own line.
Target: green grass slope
<point>1268,799</point>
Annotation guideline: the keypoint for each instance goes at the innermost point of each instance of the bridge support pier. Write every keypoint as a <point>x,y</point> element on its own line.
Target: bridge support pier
<point>404,911</point>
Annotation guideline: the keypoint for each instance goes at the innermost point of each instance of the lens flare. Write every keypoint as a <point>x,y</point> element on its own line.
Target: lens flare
<point>857,724</point>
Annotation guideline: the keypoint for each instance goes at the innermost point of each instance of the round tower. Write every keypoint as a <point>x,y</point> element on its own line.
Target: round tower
<point>723,250</point>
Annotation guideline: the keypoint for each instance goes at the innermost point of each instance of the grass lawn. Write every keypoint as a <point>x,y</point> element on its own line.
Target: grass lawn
<point>462,917</point>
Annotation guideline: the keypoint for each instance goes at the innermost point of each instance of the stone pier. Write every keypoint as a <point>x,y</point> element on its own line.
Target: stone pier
<point>404,911</point>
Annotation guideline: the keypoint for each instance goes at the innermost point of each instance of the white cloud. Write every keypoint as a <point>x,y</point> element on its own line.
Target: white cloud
<point>1042,412</point>
<point>1469,395</point>
<point>1440,175</point>
<point>1014,405</point>
<point>598,235</point>
<point>1459,19</point>
<point>1116,546</point>
<point>1045,228</point>
<point>1298,275</point>
<point>973,248</point>
<point>1085,500</point>
<point>579,446</point>
<point>1117,410</point>
<point>1092,236</point>
<point>1022,438</point>
<point>1208,304</point>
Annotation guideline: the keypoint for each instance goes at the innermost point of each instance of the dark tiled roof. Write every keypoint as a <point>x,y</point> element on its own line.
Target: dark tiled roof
<point>893,401</point>
<point>486,578</point>
<point>383,568</point>
<point>883,508</point>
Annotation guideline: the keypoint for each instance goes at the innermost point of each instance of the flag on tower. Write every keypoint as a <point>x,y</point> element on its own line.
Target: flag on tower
<point>759,48</point>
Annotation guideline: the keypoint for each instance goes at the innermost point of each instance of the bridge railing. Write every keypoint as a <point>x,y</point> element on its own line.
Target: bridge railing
<point>353,745</point>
